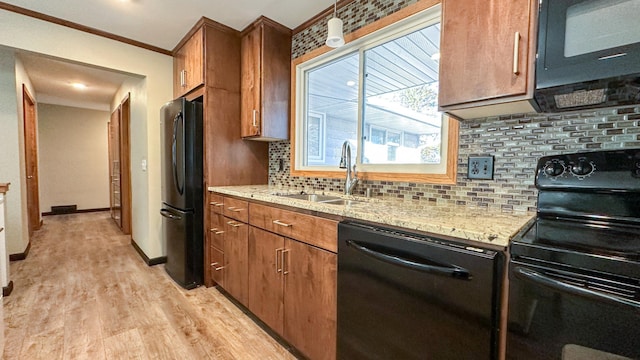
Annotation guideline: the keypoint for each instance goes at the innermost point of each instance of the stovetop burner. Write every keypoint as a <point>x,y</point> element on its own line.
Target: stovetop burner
<point>588,212</point>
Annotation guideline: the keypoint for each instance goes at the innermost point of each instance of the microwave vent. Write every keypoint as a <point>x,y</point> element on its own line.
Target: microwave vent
<point>580,98</point>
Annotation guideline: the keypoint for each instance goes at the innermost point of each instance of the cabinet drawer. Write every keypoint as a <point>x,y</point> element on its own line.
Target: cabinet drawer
<point>216,202</point>
<point>216,231</point>
<point>236,256</point>
<point>310,229</point>
<point>216,266</point>
<point>236,209</point>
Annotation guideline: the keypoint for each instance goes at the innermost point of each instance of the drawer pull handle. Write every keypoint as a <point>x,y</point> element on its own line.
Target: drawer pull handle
<point>217,231</point>
<point>216,267</point>
<point>216,203</point>
<point>234,209</point>
<point>278,222</point>
<point>234,224</point>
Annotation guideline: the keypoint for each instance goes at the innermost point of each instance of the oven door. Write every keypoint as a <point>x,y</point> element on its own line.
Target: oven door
<point>558,312</point>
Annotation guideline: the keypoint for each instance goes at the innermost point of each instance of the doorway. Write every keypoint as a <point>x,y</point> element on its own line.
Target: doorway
<point>31,160</point>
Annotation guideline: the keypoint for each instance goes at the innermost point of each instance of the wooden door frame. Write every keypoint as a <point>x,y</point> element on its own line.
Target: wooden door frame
<point>125,164</point>
<point>33,197</point>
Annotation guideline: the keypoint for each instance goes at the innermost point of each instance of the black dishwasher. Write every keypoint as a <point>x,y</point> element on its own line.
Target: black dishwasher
<point>409,296</point>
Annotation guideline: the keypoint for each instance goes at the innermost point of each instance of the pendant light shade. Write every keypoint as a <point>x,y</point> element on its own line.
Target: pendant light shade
<point>335,37</point>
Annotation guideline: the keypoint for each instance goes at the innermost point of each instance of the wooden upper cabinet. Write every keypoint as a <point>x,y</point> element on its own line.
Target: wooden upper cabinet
<point>487,50</point>
<point>188,64</point>
<point>265,80</point>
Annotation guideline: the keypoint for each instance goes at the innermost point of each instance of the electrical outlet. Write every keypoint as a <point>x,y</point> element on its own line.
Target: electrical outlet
<point>480,167</point>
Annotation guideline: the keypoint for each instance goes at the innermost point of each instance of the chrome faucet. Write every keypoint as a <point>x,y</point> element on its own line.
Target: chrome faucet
<point>345,163</point>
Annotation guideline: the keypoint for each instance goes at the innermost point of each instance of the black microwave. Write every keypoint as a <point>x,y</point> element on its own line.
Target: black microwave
<point>588,54</point>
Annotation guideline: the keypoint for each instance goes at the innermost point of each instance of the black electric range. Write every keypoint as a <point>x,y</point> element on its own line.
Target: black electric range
<point>574,275</point>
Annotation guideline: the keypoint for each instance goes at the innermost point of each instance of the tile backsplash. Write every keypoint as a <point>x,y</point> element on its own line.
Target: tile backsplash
<point>516,141</point>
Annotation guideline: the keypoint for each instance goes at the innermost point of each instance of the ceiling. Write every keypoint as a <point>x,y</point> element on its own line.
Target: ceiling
<point>160,23</point>
<point>52,80</point>
<point>163,23</point>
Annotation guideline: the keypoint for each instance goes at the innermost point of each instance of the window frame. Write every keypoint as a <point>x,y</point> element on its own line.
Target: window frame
<point>395,25</point>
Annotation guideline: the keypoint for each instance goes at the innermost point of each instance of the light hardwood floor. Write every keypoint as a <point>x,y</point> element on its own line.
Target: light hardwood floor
<point>84,293</point>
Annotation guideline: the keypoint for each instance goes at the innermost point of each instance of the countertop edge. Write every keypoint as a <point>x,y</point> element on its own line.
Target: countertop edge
<point>497,235</point>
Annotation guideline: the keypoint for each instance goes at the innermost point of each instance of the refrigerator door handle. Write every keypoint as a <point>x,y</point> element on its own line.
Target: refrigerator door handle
<point>166,213</point>
<point>174,155</point>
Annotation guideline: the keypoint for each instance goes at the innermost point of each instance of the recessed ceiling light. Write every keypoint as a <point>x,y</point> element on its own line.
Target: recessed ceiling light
<point>351,83</point>
<point>79,86</point>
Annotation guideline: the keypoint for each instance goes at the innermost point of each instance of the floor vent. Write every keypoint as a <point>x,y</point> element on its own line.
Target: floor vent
<point>64,209</point>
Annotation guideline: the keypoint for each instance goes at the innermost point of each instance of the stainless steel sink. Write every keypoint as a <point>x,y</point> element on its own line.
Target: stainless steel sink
<point>341,202</point>
<point>324,199</point>
<point>312,197</point>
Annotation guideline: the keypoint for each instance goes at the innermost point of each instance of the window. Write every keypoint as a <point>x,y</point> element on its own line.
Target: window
<point>379,92</point>
<point>315,138</point>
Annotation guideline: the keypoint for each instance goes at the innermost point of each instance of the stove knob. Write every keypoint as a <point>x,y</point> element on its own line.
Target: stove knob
<point>582,168</point>
<point>554,168</point>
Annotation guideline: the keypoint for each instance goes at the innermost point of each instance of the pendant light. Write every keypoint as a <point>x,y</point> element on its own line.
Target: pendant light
<point>334,37</point>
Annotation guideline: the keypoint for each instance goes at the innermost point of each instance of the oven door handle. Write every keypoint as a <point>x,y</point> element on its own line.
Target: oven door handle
<point>453,271</point>
<point>572,289</point>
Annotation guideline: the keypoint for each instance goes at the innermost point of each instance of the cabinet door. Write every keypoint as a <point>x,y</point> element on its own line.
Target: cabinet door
<point>188,64</point>
<point>484,50</point>
<point>251,55</point>
<point>236,254</point>
<point>265,277</point>
<point>310,277</point>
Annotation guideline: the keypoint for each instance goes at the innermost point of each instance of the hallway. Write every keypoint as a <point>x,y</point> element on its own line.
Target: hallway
<point>84,293</point>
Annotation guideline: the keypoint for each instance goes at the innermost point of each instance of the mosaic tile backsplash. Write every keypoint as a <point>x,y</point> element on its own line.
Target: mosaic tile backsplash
<point>354,15</point>
<point>515,141</point>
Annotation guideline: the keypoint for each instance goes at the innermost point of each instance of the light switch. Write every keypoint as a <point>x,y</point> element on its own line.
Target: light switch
<point>143,164</point>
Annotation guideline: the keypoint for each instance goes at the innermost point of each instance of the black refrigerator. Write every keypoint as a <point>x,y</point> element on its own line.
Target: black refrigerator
<point>182,191</point>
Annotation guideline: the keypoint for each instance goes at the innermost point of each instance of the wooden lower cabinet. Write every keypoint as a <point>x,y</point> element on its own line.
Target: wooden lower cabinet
<point>310,299</point>
<point>235,259</point>
<point>292,288</point>
<point>265,277</point>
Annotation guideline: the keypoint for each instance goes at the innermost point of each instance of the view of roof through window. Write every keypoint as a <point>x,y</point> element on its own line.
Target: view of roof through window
<point>401,123</point>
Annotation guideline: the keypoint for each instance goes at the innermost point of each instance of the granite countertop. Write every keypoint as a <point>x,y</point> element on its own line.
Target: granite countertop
<point>464,222</point>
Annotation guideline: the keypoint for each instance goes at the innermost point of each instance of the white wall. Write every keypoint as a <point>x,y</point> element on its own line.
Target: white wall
<point>74,157</point>
<point>39,36</point>
<point>137,91</point>
<point>12,77</point>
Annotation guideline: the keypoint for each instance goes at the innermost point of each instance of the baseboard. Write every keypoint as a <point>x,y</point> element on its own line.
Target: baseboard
<point>7,290</point>
<point>22,255</point>
<point>76,211</point>
<point>150,262</point>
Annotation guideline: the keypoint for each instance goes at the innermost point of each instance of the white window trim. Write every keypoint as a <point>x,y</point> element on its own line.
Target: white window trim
<point>403,27</point>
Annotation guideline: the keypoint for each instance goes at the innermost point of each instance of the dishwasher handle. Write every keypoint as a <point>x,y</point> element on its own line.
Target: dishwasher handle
<point>449,270</point>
